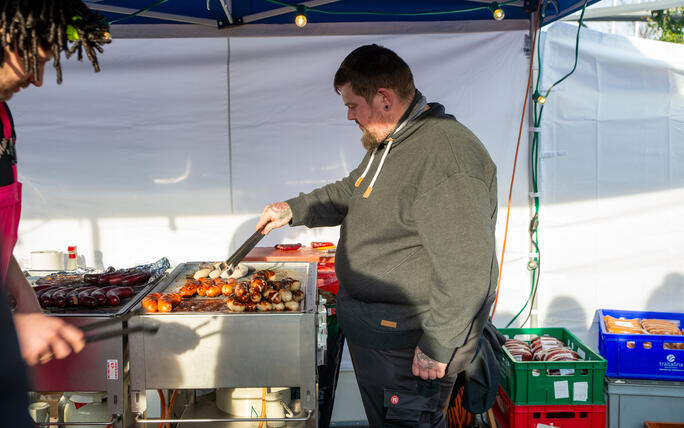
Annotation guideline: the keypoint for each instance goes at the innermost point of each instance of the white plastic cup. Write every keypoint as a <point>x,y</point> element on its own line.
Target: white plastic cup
<point>40,411</point>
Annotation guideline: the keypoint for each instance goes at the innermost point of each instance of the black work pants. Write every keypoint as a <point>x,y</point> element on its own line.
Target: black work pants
<point>392,396</point>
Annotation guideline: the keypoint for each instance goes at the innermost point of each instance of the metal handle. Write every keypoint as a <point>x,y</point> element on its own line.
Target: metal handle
<point>180,421</point>
<point>73,423</point>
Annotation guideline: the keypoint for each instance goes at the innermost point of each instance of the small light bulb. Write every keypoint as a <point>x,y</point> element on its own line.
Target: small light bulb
<point>300,20</point>
<point>541,99</point>
<point>498,14</point>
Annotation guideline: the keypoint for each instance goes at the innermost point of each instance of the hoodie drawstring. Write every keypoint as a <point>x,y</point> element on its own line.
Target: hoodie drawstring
<point>368,191</point>
<point>415,109</point>
<point>370,162</point>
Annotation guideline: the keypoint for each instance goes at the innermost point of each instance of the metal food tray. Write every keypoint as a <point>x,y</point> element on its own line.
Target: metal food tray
<point>104,311</point>
<point>299,271</point>
<point>139,291</point>
<point>195,350</point>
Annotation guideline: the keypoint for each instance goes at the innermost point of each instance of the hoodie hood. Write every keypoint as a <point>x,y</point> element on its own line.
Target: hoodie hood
<point>411,120</point>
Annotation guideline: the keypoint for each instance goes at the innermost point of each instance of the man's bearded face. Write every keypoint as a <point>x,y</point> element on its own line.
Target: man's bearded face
<point>367,115</point>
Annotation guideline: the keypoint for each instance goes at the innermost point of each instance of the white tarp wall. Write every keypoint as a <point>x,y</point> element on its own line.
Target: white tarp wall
<point>139,161</point>
<point>611,229</point>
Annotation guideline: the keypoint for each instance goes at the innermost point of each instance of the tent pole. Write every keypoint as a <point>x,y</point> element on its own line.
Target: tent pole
<point>533,321</point>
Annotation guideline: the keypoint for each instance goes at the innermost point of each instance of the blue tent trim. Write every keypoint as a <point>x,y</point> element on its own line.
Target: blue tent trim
<point>386,10</point>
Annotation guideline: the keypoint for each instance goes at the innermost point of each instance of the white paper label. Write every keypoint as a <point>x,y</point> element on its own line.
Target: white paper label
<point>567,372</point>
<point>112,369</point>
<point>624,324</point>
<point>545,426</point>
<point>561,389</point>
<point>580,391</point>
<point>581,353</point>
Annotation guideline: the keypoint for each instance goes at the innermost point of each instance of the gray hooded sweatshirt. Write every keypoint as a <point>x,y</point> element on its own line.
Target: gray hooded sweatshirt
<point>416,257</point>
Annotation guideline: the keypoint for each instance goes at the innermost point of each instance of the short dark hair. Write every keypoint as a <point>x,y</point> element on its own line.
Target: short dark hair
<point>371,67</point>
<point>52,25</point>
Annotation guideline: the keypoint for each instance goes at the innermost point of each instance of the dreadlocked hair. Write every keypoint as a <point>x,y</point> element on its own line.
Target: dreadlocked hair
<point>55,25</point>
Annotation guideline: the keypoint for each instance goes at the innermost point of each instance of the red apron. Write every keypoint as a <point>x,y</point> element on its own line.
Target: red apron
<point>10,205</point>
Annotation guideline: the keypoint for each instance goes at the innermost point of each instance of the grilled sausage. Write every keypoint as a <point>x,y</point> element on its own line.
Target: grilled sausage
<point>234,305</point>
<point>285,295</point>
<point>150,302</point>
<point>59,298</point>
<point>188,290</point>
<point>202,290</point>
<point>104,278</point>
<point>202,273</point>
<point>174,298</point>
<point>100,295</point>
<point>264,306</point>
<point>272,295</point>
<point>292,306</point>
<point>250,306</point>
<point>255,296</point>
<point>115,295</point>
<point>135,278</point>
<point>279,306</point>
<point>46,297</point>
<point>213,291</point>
<point>164,305</point>
<point>227,289</point>
<point>91,278</point>
<point>257,284</point>
<point>297,295</point>
<point>88,301</point>
<point>116,279</point>
<point>241,293</point>
<point>38,288</point>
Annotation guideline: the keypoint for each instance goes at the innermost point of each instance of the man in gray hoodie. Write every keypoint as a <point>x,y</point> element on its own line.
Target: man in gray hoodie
<point>416,257</point>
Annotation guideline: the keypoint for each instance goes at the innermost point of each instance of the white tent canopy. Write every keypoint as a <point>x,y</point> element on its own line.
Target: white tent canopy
<point>176,146</point>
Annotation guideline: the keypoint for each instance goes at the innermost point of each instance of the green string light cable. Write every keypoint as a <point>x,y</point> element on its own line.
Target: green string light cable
<point>336,12</point>
<point>138,12</point>
<point>535,264</point>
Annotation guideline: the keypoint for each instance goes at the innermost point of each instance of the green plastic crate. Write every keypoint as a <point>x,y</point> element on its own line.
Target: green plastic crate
<point>529,382</point>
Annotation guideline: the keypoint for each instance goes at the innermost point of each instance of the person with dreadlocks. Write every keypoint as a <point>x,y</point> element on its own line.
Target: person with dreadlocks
<point>32,32</point>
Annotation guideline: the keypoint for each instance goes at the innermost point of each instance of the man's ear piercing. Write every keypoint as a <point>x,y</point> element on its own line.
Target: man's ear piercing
<point>386,107</point>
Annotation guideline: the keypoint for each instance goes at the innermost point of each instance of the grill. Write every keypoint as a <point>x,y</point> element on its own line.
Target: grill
<point>229,350</point>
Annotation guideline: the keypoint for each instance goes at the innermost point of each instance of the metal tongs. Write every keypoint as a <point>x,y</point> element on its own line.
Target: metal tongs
<point>244,249</point>
<point>152,329</point>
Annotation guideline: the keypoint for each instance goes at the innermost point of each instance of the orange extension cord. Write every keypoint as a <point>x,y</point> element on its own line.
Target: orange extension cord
<point>169,411</point>
<point>457,416</point>
<point>162,406</point>
<point>515,162</point>
<point>263,406</point>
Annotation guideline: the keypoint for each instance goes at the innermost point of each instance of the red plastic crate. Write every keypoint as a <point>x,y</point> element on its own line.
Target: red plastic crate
<point>554,415</point>
<point>327,280</point>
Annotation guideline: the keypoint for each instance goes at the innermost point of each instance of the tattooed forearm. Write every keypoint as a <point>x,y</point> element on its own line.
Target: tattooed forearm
<point>425,362</point>
<point>282,210</point>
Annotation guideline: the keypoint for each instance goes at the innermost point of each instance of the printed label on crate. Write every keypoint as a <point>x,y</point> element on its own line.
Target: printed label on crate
<point>112,369</point>
<point>561,389</point>
<point>580,391</point>
<point>672,363</point>
<point>545,426</point>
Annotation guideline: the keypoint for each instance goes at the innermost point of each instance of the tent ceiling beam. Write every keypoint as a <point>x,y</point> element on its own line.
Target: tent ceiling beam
<point>151,14</point>
<point>227,9</point>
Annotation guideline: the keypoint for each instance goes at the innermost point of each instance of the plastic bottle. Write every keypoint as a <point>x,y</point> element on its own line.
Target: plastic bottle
<point>72,258</point>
